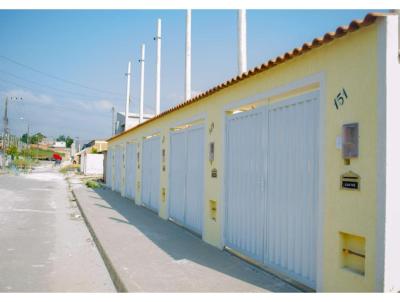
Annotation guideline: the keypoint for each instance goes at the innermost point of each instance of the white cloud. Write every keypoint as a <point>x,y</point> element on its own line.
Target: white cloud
<point>104,105</point>
<point>30,97</point>
<point>100,105</point>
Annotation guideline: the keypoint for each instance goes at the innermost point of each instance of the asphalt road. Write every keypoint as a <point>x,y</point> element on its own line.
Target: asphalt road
<point>44,243</point>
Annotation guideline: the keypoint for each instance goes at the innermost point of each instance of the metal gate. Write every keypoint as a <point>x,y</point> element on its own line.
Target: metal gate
<point>130,171</point>
<point>186,178</point>
<point>117,168</point>
<point>109,163</point>
<point>272,185</point>
<point>245,180</point>
<point>151,169</point>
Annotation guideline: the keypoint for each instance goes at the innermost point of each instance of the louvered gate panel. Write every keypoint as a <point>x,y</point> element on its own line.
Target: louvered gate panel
<point>130,170</point>
<point>177,176</point>
<point>118,168</point>
<point>155,173</point>
<point>291,210</point>
<point>114,163</point>
<point>277,145</point>
<point>194,207</point>
<point>146,171</point>
<point>151,172</point>
<point>245,159</point>
<point>109,163</point>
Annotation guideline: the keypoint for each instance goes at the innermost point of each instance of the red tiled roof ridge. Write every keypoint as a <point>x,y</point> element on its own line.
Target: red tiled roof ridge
<point>341,31</point>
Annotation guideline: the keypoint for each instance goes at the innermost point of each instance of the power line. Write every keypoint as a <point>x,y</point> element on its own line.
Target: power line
<point>50,87</point>
<point>59,108</point>
<point>43,91</point>
<point>56,77</point>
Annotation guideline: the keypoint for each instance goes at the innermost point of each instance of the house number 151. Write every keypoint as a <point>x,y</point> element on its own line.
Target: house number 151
<point>340,98</point>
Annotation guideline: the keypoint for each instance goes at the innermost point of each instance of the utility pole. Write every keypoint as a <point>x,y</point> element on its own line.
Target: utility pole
<point>158,40</point>
<point>27,138</point>
<point>113,121</point>
<point>141,61</point>
<point>5,133</point>
<point>6,136</point>
<point>188,62</point>
<point>128,95</point>
<point>242,43</point>
<point>5,119</point>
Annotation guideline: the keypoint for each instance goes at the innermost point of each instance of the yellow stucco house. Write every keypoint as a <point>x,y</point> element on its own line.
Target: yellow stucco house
<point>293,165</point>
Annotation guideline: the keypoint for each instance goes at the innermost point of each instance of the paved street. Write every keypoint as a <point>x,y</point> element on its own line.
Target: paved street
<point>45,245</point>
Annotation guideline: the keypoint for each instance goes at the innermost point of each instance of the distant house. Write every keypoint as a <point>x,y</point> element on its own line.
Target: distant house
<point>97,144</point>
<point>59,145</point>
<point>133,120</point>
<point>91,158</point>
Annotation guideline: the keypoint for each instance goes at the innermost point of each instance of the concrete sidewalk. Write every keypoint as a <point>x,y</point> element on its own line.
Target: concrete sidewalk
<point>148,254</point>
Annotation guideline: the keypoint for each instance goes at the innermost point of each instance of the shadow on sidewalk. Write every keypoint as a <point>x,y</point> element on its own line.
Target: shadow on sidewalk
<point>180,244</point>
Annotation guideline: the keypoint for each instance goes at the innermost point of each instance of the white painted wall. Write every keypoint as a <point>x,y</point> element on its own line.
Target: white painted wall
<point>388,198</point>
<point>92,164</point>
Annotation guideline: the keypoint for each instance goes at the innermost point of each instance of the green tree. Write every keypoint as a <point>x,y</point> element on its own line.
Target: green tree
<point>61,138</point>
<point>36,138</point>
<point>69,141</point>
<point>24,138</point>
<point>13,151</point>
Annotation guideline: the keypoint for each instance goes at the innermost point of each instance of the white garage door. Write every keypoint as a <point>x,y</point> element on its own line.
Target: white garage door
<point>109,163</point>
<point>151,172</point>
<point>187,178</point>
<point>272,185</point>
<point>245,183</point>
<point>177,176</point>
<point>117,168</point>
<point>130,171</point>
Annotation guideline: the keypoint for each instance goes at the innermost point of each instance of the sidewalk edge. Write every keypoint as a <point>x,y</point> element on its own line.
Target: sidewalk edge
<point>116,279</point>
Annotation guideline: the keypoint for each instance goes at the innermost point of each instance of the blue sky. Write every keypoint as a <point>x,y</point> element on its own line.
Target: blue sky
<point>92,48</point>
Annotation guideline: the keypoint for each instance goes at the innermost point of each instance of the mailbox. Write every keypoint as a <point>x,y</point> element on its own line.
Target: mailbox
<point>163,195</point>
<point>213,209</point>
<point>350,181</point>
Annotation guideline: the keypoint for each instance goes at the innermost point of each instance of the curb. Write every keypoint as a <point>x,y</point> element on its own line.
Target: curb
<point>115,278</point>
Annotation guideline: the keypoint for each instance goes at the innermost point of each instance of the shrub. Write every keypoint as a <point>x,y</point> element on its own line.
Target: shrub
<point>93,184</point>
<point>70,168</point>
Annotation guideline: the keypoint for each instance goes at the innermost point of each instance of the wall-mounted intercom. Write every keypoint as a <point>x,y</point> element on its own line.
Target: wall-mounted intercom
<point>349,142</point>
<point>211,152</point>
